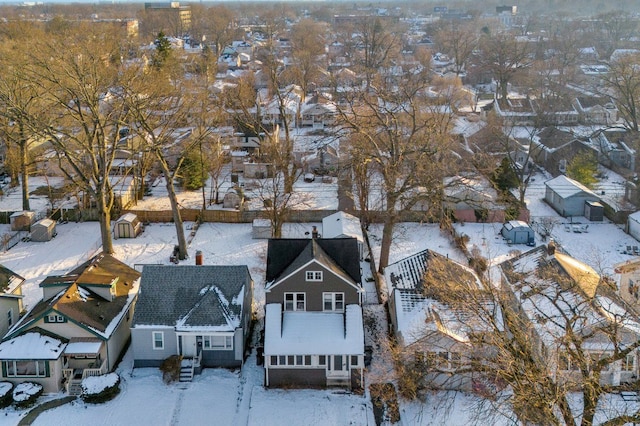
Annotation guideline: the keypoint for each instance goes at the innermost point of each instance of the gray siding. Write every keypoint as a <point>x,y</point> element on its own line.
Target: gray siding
<point>330,283</point>
<point>142,344</point>
<point>220,359</point>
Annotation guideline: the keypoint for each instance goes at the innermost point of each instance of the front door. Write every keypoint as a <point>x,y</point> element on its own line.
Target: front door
<point>337,367</point>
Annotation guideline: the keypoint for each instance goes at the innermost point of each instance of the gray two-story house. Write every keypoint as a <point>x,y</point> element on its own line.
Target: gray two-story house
<point>313,321</point>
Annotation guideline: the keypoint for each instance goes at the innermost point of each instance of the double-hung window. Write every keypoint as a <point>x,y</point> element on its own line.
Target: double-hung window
<point>294,302</point>
<point>333,302</point>
<point>158,340</point>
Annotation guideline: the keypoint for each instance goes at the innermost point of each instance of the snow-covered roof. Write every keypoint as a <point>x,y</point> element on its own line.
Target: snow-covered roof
<point>567,187</point>
<point>313,333</point>
<point>32,346</point>
<point>512,224</point>
<point>192,297</point>
<point>128,217</point>
<point>83,347</point>
<point>341,224</point>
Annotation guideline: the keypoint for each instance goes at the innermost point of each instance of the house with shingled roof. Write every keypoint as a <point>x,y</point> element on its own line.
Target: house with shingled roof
<point>438,341</point>
<point>314,335</point>
<point>84,315</point>
<point>10,298</point>
<point>579,323</point>
<point>200,312</point>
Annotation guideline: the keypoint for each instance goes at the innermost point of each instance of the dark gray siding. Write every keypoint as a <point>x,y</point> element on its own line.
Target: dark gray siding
<point>330,283</point>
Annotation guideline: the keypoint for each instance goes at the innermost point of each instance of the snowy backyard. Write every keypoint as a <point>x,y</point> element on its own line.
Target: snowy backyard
<point>227,397</point>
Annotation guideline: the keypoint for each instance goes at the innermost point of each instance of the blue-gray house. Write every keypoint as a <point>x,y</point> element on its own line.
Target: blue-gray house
<point>201,312</point>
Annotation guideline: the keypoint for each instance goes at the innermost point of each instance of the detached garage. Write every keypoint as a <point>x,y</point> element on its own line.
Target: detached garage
<point>128,226</point>
<point>518,232</point>
<point>568,197</point>
<point>43,230</point>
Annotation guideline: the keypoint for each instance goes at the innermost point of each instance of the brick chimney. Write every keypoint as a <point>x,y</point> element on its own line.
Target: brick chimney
<point>314,232</point>
<point>551,248</point>
<point>199,257</point>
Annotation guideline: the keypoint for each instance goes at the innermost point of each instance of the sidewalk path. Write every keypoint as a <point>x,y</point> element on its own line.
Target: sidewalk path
<point>35,412</point>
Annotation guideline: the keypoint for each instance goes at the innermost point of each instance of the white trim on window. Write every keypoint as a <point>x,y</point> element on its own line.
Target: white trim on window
<point>217,342</point>
<point>313,276</point>
<point>295,301</point>
<point>333,301</point>
<point>157,340</point>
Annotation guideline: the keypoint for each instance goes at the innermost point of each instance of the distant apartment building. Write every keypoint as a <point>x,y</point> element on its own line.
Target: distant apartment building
<point>175,18</point>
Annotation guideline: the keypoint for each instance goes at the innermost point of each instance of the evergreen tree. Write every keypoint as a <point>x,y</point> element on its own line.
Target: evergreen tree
<point>583,168</point>
<point>163,50</point>
<point>504,177</point>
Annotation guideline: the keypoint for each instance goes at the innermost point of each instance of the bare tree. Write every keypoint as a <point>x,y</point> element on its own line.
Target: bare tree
<point>623,85</point>
<point>19,103</point>
<point>543,329</point>
<point>504,56</point>
<point>458,39</point>
<point>83,84</point>
<point>406,139</point>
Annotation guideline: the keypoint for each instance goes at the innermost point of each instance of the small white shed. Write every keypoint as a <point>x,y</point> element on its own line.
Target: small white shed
<point>261,229</point>
<point>127,226</point>
<point>343,225</point>
<point>21,221</point>
<point>43,230</point>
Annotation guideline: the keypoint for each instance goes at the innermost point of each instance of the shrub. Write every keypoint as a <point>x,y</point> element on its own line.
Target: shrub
<point>171,368</point>
<point>100,389</point>
<point>5,394</point>
<point>26,394</point>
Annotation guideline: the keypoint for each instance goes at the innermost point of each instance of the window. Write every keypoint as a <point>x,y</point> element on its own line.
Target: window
<point>629,363</point>
<point>322,360</point>
<point>10,317</point>
<point>217,343</point>
<point>354,361</point>
<point>314,276</point>
<point>158,340</point>
<point>333,302</point>
<point>294,302</point>
<point>25,368</point>
<point>290,360</point>
<point>54,318</point>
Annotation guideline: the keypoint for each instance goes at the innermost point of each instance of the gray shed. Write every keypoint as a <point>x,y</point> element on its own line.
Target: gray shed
<point>21,221</point>
<point>261,229</point>
<point>127,226</point>
<point>43,230</point>
<point>594,211</point>
<point>518,232</point>
<point>231,200</point>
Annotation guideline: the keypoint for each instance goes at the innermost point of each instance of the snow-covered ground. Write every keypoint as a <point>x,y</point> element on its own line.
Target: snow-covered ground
<point>220,396</point>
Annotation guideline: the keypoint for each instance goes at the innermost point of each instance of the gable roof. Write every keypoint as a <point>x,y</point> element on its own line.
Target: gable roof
<point>341,255</point>
<point>567,187</point>
<point>409,273</point>
<point>192,297</point>
<point>9,280</point>
<point>84,307</point>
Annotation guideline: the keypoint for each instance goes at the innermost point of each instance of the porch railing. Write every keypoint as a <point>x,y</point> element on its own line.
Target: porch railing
<point>90,372</point>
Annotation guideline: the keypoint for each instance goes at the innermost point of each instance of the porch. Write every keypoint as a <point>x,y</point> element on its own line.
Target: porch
<point>82,358</point>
